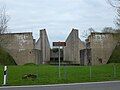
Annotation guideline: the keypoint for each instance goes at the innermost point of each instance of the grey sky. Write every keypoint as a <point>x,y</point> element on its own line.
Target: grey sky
<point>58,16</point>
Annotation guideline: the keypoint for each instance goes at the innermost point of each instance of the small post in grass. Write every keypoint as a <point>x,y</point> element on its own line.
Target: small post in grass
<point>90,72</point>
<point>59,44</point>
<point>59,63</point>
<point>65,71</point>
<point>114,70</point>
<point>5,76</point>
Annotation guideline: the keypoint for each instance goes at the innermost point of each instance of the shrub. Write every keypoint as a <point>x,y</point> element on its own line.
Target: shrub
<point>6,58</point>
<point>29,76</point>
<point>29,64</point>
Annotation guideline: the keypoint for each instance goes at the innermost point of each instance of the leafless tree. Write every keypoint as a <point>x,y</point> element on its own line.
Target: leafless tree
<point>108,30</point>
<point>117,22</point>
<point>4,18</point>
<point>87,32</point>
<point>114,3</point>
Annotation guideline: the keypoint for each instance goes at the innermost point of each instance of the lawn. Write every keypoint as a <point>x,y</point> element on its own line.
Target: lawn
<point>48,74</point>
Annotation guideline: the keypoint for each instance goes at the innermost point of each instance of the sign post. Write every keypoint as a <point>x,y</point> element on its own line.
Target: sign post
<point>59,63</point>
<point>5,75</point>
<point>59,44</point>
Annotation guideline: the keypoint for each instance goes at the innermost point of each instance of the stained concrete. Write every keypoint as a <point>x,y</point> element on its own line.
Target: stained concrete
<point>73,47</point>
<point>20,46</point>
<point>43,45</point>
<point>102,46</point>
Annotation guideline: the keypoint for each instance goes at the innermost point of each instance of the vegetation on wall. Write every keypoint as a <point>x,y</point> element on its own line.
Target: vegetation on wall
<point>6,58</point>
<point>115,57</point>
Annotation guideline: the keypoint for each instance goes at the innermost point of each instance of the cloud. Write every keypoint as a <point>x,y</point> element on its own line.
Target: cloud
<point>58,16</point>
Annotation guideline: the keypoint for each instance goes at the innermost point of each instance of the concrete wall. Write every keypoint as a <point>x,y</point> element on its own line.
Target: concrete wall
<point>73,47</point>
<point>102,46</point>
<point>20,46</point>
<point>85,57</point>
<point>43,45</point>
<point>37,56</point>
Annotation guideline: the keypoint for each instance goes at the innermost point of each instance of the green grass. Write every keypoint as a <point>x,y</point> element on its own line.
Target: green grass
<point>48,74</point>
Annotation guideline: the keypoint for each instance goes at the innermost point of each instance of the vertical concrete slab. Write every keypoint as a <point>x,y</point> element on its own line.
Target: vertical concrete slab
<point>44,46</point>
<point>72,48</point>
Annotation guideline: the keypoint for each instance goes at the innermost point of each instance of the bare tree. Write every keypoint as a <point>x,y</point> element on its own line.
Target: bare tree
<point>108,30</point>
<point>4,18</point>
<point>87,32</point>
<point>117,22</point>
<point>114,3</point>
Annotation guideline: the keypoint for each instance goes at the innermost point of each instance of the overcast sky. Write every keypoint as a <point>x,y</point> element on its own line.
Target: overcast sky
<point>58,16</point>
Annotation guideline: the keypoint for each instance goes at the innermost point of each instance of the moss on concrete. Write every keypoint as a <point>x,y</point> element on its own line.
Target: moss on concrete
<point>6,58</point>
<point>115,57</point>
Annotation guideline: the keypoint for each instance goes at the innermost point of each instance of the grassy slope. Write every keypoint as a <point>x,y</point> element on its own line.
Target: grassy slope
<point>49,74</point>
<point>5,58</point>
<point>115,57</point>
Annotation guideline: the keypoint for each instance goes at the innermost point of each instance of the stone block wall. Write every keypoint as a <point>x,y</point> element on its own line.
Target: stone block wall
<point>20,46</point>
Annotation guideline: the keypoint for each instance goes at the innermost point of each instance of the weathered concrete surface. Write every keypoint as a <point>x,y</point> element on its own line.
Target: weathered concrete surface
<point>73,47</point>
<point>20,46</point>
<point>43,45</point>
<point>85,57</point>
<point>102,46</point>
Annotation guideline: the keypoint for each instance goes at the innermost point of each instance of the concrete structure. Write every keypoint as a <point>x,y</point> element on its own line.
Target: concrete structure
<point>20,46</point>
<point>100,46</point>
<point>85,57</point>
<point>73,47</point>
<point>54,55</point>
<point>43,45</point>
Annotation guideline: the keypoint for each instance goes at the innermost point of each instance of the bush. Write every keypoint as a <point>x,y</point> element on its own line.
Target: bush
<point>29,64</point>
<point>115,57</point>
<point>29,76</point>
